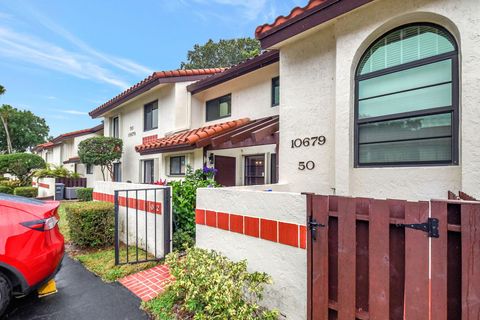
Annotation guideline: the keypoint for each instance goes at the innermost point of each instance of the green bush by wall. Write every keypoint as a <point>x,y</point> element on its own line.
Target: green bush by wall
<point>6,189</point>
<point>29,192</point>
<point>92,224</point>
<point>85,194</point>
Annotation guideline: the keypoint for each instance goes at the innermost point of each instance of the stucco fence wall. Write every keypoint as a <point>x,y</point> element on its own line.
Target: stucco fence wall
<point>46,187</point>
<point>151,211</point>
<point>266,228</point>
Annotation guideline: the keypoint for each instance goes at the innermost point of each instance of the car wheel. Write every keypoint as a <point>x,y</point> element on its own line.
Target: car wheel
<point>5,293</point>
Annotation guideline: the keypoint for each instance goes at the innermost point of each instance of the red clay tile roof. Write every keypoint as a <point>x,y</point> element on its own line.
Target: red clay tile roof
<point>301,19</point>
<point>151,81</point>
<point>68,135</point>
<point>189,138</point>
<point>284,19</point>
<point>262,60</point>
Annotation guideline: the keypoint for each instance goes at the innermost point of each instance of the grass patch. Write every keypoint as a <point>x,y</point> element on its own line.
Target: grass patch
<point>63,224</point>
<point>102,263</point>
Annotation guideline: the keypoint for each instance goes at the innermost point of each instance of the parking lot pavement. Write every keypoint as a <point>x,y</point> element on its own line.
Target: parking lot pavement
<point>81,295</point>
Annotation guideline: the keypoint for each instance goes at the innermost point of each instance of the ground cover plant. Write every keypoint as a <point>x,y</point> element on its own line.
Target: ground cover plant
<point>209,286</point>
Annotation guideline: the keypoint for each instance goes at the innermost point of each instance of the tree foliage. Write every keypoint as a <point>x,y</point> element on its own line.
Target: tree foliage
<point>101,151</point>
<point>223,53</point>
<point>26,130</point>
<point>21,165</point>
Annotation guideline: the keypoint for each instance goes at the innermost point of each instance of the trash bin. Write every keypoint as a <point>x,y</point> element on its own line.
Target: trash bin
<point>59,189</point>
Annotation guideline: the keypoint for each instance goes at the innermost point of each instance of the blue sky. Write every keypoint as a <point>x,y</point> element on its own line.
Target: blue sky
<point>61,59</point>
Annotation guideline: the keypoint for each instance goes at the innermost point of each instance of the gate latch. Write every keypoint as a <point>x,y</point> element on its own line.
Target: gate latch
<point>430,227</point>
<point>313,225</point>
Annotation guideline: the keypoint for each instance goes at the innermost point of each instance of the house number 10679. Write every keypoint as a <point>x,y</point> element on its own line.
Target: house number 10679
<point>308,142</point>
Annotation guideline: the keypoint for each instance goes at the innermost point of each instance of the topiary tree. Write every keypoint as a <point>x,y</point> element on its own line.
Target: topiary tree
<point>101,151</point>
<point>21,165</point>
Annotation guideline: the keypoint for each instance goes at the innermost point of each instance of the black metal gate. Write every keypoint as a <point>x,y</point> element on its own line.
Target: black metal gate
<point>142,224</point>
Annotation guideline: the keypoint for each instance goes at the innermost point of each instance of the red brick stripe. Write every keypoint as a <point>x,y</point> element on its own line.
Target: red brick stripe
<point>44,185</point>
<point>289,234</point>
<point>151,206</point>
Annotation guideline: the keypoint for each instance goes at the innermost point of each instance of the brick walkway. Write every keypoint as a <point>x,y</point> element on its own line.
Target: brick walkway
<point>149,283</point>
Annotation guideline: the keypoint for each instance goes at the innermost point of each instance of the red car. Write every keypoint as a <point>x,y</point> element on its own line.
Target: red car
<point>31,245</point>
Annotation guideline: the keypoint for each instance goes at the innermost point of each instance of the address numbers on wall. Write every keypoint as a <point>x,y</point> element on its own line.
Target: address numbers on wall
<point>305,143</point>
<point>308,142</point>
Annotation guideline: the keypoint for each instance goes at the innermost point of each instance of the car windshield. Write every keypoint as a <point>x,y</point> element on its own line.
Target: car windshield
<point>9,197</point>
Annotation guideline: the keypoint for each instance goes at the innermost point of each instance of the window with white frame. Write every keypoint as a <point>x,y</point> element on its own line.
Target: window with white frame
<point>148,171</point>
<point>116,127</point>
<point>406,99</point>
<point>150,116</point>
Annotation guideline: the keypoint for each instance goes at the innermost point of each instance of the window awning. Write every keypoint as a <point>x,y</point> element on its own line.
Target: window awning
<point>72,160</point>
<point>232,134</point>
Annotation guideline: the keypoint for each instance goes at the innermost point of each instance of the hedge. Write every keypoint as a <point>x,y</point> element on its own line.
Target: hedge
<point>85,194</point>
<point>92,224</point>
<point>29,192</point>
<point>6,189</point>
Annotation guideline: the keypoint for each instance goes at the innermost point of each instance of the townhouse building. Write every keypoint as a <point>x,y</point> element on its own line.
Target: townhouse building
<point>156,107</point>
<point>63,151</point>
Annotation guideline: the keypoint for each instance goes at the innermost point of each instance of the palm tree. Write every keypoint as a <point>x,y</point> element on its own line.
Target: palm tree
<point>4,118</point>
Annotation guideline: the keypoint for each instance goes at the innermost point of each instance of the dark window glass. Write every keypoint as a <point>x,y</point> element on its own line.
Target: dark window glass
<point>116,127</point>
<point>273,168</point>
<point>150,119</point>
<point>255,170</point>
<point>148,171</point>
<point>89,169</point>
<point>407,99</point>
<point>219,108</point>
<point>177,166</point>
<point>275,91</point>
<point>117,172</point>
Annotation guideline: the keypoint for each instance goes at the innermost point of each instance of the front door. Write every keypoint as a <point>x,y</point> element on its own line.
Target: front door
<point>226,167</point>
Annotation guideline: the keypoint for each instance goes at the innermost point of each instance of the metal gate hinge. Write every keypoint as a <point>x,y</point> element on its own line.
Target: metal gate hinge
<point>430,227</point>
<point>313,225</point>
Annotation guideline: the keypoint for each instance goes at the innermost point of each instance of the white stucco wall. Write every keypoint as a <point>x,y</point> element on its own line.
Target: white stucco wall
<point>172,116</point>
<point>251,97</point>
<point>146,229</point>
<point>286,264</point>
<point>317,72</point>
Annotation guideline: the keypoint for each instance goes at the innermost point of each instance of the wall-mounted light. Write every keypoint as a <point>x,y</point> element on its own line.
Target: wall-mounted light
<point>211,158</point>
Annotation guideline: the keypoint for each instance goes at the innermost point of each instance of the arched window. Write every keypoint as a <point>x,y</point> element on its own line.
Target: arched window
<point>406,99</point>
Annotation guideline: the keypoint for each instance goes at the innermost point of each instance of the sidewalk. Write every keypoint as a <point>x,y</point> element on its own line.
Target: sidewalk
<point>149,283</point>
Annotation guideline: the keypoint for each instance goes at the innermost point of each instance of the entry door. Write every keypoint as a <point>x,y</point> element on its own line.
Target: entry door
<point>226,167</point>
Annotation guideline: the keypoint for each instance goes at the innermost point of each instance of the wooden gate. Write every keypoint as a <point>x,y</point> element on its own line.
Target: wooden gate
<point>393,259</point>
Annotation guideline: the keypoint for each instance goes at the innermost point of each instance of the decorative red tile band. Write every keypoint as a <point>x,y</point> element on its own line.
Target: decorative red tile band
<point>149,139</point>
<point>276,231</point>
<point>41,185</point>
<point>142,205</point>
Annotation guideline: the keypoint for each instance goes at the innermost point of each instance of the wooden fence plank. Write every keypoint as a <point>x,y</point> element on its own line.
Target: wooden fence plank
<point>416,263</point>
<point>320,259</point>
<point>470,219</point>
<point>379,260</point>
<point>346,258</point>
<point>439,246</point>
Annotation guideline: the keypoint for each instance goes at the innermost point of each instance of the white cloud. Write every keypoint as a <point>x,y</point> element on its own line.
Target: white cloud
<point>73,112</point>
<point>118,62</point>
<point>35,51</point>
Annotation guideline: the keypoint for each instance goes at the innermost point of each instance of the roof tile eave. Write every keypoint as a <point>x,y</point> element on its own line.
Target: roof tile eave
<point>157,75</point>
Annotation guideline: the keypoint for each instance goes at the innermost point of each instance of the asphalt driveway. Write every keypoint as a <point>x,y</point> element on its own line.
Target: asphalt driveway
<point>81,295</point>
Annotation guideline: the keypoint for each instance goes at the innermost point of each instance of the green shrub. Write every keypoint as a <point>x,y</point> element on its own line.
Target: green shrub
<point>53,171</point>
<point>21,165</point>
<point>184,197</point>
<point>209,286</point>
<point>5,189</point>
<point>11,183</point>
<point>28,192</point>
<point>91,223</point>
<point>85,194</point>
